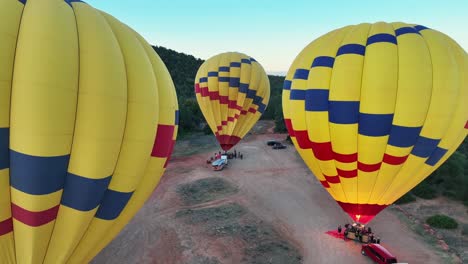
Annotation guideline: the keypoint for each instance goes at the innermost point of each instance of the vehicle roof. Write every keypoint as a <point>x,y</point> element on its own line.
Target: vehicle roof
<point>383,251</point>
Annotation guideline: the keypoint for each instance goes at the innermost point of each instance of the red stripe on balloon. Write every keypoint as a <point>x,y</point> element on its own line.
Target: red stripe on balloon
<point>393,160</point>
<point>322,151</point>
<point>34,218</point>
<point>332,179</point>
<point>214,95</point>
<point>227,142</point>
<point>163,142</point>
<point>171,148</point>
<point>6,226</point>
<point>223,99</point>
<point>219,127</point>
<point>361,213</point>
<point>197,88</point>
<point>289,127</point>
<point>346,173</point>
<point>345,158</point>
<point>302,138</point>
<point>325,184</point>
<point>466,125</point>
<point>369,167</point>
<point>243,112</point>
<point>252,110</point>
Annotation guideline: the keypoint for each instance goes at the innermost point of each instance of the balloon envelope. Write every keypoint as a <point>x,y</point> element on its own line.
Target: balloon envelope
<point>232,90</point>
<point>88,118</point>
<point>373,109</point>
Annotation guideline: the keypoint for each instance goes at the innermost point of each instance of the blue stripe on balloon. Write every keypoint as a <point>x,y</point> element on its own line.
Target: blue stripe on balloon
<point>316,100</point>
<point>22,1</point>
<point>297,95</point>
<point>253,60</point>
<point>203,79</point>
<point>287,85</point>
<point>176,117</point>
<point>420,27</point>
<point>234,82</point>
<point>112,204</point>
<point>212,74</point>
<point>323,61</point>
<point>406,30</point>
<point>301,74</point>
<point>343,112</point>
<point>378,38</point>
<point>4,148</point>
<point>351,49</point>
<point>82,193</point>
<point>247,61</point>
<point>69,2</point>
<point>235,64</point>
<point>436,156</point>
<point>223,79</point>
<point>223,69</point>
<point>251,94</point>
<point>403,137</point>
<point>425,146</point>
<point>375,125</point>
<point>37,175</point>
<point>257,100</point>
<point>261,108</point>
<point>243,88</point>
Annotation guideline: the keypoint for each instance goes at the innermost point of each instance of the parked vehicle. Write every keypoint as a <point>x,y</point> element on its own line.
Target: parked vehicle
<point>378,253</point>
<point>219,164</point>
<point>272,142</point>
<point>279,146</point>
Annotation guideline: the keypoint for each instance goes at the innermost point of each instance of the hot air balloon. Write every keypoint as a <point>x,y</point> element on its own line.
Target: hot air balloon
<point>373,109</point>
<point>88,119</point>
<point>232,90</point>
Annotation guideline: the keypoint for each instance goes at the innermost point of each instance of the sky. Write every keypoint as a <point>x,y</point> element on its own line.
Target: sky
<point>273,32</point>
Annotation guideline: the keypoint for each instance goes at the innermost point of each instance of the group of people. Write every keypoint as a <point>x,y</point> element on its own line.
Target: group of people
<point>230,155</point>
<point>359,231</point>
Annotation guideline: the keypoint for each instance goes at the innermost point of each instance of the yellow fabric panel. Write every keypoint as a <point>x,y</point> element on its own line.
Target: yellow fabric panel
<point>345,84</point>
<point>344,138</point>
<point>366,184</point>
<point>35,203</point>
<point>149,181</point>
<point>414,80</point>
<point>350,189</point>
<point>7,248</point>
<point>380,73</point>
<point>142,114</point>
<point>93,242</point>
<point>223,91</point>
<point>10,12</point>
<point>385,176</point>
<point>212,66</point>
<point>102,103</point>
<point>460,115</point>
<point>5,202</point>
<point>205,101</point>
<point>234,72</point>
<point>69,228</point>
<point>44,93</point>
<point>31,242</point>
<point>371,149</point>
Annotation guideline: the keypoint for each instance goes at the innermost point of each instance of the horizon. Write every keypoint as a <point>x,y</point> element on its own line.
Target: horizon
<point>274,37</point>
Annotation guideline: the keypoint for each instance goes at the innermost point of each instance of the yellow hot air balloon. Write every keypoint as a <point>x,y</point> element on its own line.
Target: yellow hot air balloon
<point>232,90</point>
<point>88,119</point>
<point>373,109</point>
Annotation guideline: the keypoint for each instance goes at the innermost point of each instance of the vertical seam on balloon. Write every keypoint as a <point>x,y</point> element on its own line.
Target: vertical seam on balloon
<point>217,110</point>
<point>73,136</point>
<point>9,120</point>
<point>345,33</point>
<point>359,110</point>
<point>401,167</point>
<point>391,128</point>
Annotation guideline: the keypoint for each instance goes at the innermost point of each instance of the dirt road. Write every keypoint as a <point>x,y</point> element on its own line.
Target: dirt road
<point>275,194</point>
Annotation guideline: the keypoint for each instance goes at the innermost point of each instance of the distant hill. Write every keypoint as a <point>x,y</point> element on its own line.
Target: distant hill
<point>184,67</point>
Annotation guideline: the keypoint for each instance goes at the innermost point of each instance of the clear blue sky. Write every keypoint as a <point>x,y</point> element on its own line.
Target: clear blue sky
<point>273,32</point>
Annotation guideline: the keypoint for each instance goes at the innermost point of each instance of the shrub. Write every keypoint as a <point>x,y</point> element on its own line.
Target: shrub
<point>407,198</point>
<point>442,221</point>
<point>425,191</point>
